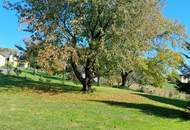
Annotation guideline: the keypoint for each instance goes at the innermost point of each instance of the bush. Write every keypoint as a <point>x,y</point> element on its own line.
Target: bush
<point>41,79</point>
<point>183,87</point>
<point>170,93</point>
<point>48,80</point>
<point>17,71</point>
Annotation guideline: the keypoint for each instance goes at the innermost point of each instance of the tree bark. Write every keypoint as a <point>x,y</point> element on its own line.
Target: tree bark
<point>87,80</point>
<point>89,70</point>
<point>124,76</point>
<point>123,79</point>
<point>98,80</point>
<point>77,73</point>
<point>86,85</point>
<point>88,76</point>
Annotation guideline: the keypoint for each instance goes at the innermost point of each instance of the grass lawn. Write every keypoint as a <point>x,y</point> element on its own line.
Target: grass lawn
<point>29,104</point>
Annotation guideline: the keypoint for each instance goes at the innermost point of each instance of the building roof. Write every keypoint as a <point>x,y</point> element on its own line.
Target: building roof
<point>187,74</point>
<point>6,54</point>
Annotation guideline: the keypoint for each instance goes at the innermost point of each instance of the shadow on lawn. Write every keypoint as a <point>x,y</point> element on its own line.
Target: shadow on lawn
<point>151,109</point>
<point>169,101</point>
<point>10,81</point>
<point>43,74</point>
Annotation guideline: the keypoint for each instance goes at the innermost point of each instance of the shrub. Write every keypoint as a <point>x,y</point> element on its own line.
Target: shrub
<point>41,79</point>
<point>48,80</point>
<point>183,87</point>
<point>17,71</point>
<point>170,93</point>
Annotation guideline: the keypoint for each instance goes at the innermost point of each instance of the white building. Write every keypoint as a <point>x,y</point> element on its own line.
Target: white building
<point>7,57</point>
<point>184,79</point>
<point>2,60</point>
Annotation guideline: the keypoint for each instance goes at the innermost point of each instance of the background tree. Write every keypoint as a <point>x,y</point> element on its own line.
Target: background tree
<point>185,70</point>
<point>146,32</point>
<point>161,66</point>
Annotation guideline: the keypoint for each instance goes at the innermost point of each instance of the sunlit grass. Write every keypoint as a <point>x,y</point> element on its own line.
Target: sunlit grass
<point>63,107</point>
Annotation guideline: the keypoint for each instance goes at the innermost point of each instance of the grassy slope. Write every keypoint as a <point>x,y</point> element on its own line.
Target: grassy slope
<point>65,108</point>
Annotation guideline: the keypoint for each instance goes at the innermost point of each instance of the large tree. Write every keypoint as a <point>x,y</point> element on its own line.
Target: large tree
<point>82,29</point>
<point>147,32</point>
<point>86,33</point>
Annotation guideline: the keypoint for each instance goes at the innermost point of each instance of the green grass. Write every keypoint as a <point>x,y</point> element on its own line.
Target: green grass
<point>29,104</point>
<point>169,86</point>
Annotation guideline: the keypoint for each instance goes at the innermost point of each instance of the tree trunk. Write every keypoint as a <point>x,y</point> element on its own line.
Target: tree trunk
<point>124,76</point>
<point>98,80</point>
<point>86,85</point>
<point>87,80</point>
<point>123,79</point>
<point>89,70</point>
<point>88,76</point>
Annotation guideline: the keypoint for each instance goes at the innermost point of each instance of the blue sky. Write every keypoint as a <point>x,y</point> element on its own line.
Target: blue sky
<point>178,10</point>
<point>9,28</point>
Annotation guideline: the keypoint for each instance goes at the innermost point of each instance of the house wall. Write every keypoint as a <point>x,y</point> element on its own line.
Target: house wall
<point>24,65</point>
<point>13,61</point>
<point>11,58</point>
<point>15,64</point>
<point>2,61</point>
<point>184,79</point>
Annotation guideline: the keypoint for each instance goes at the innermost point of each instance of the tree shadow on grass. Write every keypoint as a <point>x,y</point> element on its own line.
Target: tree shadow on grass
<point>169,101</point>
<point>10,81</point>
<point>44,75</point>
<point>150,109</point>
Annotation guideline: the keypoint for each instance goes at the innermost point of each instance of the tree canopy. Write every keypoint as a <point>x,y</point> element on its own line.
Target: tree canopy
<point>98,36</point>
